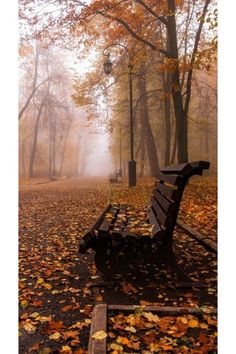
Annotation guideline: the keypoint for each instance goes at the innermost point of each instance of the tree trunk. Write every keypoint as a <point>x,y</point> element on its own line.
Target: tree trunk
<point>63,150</point>
<point>50,151</point>
<point>167,88</point>
<point>53,149</point>
<point>149,139</point>
<point>172,160</point>
<point>180,115</point>
<point>34,147</point>
<point>142,152</point>
<point>23,159</point>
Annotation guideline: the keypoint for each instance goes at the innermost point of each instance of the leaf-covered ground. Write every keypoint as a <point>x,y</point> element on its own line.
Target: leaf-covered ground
<point>146,332</point>
<point>55,293</point>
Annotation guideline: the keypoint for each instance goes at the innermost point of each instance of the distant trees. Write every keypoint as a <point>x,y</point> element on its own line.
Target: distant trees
<point>47,117</point>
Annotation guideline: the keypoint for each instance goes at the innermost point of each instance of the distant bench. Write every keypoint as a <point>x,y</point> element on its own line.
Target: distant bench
<point>113,178</point>
<point>123,229</point>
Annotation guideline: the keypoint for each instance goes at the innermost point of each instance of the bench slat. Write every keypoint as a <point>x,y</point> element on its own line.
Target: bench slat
<point>153,220</point>
<point>165,203</point>
<point>106,225</point>
<point>119,226</point>
<point>176,180</point>
<point>160,215</point>
<point>166,191</point>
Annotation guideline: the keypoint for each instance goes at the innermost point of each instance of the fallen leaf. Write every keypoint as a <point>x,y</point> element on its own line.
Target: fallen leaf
<point>116,347</point>
<point>193,323</point>
<point>40,281</point>
<point>123,340</point>
<point>55,336</point>
<point>29,328</point>
<point>24,303</point>
<point>70,334</point>
<point>151,317</point>
<point>130,329</point>
<point>35,347</point>
<point>99,335</point>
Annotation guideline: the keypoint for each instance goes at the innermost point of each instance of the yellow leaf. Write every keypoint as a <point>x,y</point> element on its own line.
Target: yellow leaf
<point>130,329</point>
<point>151,317</point>
<point>203,325</point>
<point>66,348</point>
<point>55,336</point>
<point>183,320</point>
<point>47,286</point>
<point>116,347</point>
<point>40,281</point>
<point>29,328</point>
<point>99,335</point>
<point>193,323</point>
<point>35,314</point>
<point>24,303</point>
<point>43,319</point>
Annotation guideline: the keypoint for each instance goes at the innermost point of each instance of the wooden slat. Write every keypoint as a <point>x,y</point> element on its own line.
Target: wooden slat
<point>165,203</point>
<point>163,310</point>
<point>118,227</point>
<point>99,323</point>
<point>107,225</point>
<point>153,220</point>
<point>161,216</point>
<point>104,228</point>
<point>99,220</point>
<point>175,180</point>
<point>166,191</point>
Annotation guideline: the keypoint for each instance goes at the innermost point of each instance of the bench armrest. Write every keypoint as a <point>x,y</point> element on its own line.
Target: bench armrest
<point>187,168</point>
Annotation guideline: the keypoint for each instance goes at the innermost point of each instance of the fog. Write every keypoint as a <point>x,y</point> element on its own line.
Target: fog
<point>71,127</point>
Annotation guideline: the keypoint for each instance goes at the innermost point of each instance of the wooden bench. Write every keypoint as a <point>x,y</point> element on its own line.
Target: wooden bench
<point>121,228</point>
<point>113,178</point>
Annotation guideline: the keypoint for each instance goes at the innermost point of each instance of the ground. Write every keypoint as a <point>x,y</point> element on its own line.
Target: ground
<point>56,296</point>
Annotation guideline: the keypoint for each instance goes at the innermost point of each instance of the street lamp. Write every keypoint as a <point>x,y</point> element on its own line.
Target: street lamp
<point>108,69</point>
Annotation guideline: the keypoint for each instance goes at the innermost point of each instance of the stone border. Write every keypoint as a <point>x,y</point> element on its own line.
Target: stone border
<point>202,239</point>
<point>99,320</point>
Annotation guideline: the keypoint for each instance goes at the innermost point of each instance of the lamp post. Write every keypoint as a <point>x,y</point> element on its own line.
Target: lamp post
<point>108,69</point>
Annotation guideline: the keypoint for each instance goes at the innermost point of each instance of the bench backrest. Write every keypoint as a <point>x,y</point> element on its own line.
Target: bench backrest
<point>168,191</point>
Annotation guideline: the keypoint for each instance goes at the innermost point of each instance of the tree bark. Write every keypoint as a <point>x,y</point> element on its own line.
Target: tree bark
<point>63,150</point>
<point>142,152</point>
<point>172,160</point>
<point>35,139</point>
<point>149,139</point>
<point>180,115</point>
<point>23,159</point>
<point>167,88</point>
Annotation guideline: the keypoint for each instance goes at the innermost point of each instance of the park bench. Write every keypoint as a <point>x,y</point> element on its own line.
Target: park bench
<point>121,229</point>
<point>113,178</point>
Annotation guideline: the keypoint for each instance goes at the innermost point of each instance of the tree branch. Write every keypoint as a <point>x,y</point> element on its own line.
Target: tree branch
<point>149,9</point>
<point>190,73</point>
